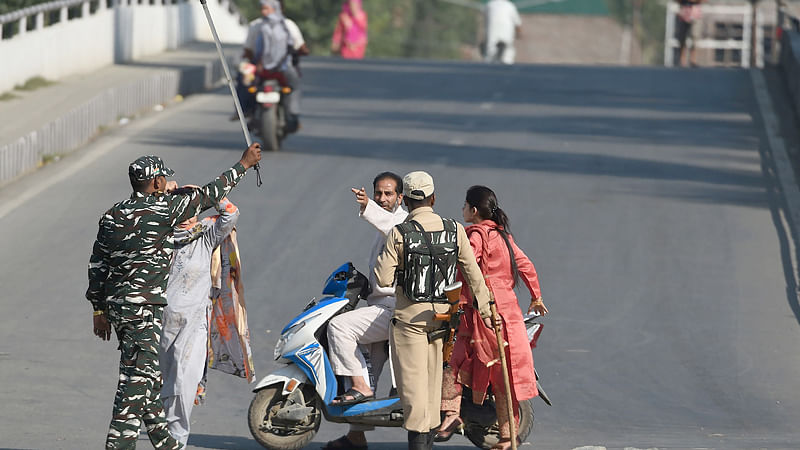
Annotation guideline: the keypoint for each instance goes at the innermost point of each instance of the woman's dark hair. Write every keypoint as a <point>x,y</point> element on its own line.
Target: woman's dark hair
<point>484,200</point>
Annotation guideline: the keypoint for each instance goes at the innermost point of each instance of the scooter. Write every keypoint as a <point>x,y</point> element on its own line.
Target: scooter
<point>289,403</point>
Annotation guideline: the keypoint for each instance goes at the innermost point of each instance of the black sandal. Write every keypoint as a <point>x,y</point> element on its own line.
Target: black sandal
<point>343,443</point>
<point>358,397</point>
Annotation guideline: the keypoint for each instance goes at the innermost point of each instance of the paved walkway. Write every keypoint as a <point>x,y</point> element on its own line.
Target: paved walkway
<point>33,109</point>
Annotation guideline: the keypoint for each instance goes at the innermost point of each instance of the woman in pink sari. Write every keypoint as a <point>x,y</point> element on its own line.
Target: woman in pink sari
<point>350,35</point>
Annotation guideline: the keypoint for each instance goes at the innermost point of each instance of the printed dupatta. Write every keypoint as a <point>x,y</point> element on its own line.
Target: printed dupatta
<point>229,336</point>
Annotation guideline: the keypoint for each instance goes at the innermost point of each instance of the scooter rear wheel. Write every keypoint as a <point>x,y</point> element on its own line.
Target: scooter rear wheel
<point>486,437</point>
<point>280,436</point>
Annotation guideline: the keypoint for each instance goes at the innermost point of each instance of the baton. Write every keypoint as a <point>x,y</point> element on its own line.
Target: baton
<point>501,346</point>
<point>227,71</point>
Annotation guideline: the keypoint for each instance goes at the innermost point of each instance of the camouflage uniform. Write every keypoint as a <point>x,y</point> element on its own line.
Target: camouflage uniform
<point>128,273</point>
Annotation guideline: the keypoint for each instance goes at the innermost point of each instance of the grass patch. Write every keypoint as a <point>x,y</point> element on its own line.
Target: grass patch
<point>33,84</point>
<point>47,159</point>
<point>5,96</point>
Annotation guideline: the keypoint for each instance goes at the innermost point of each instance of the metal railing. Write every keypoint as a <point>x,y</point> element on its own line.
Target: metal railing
<point>729,15</point>
<point>36,12</point>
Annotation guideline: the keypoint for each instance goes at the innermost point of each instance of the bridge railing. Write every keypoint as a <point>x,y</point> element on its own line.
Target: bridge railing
<point>732,16</point>
<point>67,37</point>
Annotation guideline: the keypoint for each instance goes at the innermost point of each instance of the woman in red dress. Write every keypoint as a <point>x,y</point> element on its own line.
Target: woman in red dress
<point>503,264</point>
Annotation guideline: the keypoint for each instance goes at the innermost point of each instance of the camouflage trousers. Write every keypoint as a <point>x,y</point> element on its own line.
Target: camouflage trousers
<point>138,400</point>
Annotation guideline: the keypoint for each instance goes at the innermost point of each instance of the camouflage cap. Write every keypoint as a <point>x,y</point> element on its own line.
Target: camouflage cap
<point>147,167</point>
<point>418,185</point>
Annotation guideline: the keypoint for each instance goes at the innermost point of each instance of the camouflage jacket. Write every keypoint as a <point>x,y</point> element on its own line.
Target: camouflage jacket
<point>131,257</point>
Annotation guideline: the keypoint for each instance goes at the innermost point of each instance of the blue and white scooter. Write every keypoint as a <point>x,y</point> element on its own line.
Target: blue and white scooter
<point>289,404</point>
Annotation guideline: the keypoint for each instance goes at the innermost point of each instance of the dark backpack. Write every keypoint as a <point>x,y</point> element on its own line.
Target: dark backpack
<point>430,261</point>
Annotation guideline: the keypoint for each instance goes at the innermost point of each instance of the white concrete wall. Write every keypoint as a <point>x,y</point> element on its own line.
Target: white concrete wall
<point>119,34</point>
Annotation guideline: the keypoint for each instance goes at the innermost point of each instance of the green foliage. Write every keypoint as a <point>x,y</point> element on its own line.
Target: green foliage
<point>397,28</point>
<point>33,84</point>
<point>650,33</point>
<point>13,5</point>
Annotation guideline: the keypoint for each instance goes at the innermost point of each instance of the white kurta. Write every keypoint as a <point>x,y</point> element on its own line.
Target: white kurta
<point>502,20</point>
<point>184,337</point>
<point>370,324</point>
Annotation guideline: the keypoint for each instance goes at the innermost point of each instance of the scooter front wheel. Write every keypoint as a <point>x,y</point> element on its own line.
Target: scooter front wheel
<point>274,420</point>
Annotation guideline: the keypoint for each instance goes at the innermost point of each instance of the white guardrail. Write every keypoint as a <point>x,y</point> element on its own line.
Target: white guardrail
<point>740,14</point>
<point>105,32</point>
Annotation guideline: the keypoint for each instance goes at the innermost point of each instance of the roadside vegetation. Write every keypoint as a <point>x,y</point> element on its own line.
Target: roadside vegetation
<point>33,84</point>
<point>397,28</point>
<point>649,23</point>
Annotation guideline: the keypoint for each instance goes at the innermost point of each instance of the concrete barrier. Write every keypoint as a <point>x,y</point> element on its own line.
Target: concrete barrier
<point>99,33</point>
<point>105,32</point>
<point>81,124</point>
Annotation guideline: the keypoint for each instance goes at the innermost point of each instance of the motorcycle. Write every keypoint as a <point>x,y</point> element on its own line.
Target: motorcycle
<point>270,118</point>
<point>289,403</point>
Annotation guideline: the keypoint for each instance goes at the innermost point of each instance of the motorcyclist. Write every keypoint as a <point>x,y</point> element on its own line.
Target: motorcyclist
<point>270,51</point>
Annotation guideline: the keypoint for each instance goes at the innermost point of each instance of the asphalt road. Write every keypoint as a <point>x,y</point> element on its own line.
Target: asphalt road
<point>645,197</point>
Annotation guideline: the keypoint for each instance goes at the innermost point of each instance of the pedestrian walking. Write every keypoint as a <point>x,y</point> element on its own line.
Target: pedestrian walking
<point>128,272</point>
<point>350,34</point>
<point>423,254</point>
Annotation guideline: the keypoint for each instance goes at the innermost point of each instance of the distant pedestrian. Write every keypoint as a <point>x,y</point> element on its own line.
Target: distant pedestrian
<point>350,35</point>
<point>688,14</point>
<point>503,26</point>
<point>128,273</point>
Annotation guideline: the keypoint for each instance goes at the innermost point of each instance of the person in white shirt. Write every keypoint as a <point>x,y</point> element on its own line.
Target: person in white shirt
<point>369,325</point>
<point>503,25</point>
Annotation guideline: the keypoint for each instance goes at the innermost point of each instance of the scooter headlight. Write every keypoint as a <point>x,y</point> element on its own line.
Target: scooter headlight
<point>286,337</point>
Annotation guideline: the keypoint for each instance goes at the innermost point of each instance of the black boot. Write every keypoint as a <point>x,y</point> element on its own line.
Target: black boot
<point>431,434</point>
<point>419,441</point>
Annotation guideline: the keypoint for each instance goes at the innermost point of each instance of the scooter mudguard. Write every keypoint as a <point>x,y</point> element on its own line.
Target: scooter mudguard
<point>282,377</point>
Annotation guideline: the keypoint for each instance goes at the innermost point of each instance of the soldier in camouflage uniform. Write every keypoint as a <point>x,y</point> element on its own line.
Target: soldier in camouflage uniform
<point>417,362</point>
<point>128,273</point>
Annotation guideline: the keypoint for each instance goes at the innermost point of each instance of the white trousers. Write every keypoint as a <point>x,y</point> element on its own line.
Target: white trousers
<point>183,365</point>
<point>369,327</point>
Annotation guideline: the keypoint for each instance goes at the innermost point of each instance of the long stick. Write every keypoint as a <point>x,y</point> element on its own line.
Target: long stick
<point>232,87</point>
<point>501,345</point>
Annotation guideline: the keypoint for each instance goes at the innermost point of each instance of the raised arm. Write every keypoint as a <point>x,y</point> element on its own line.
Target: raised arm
<point>228,216</point>
<point>183,207</point>
<point>380,218</point>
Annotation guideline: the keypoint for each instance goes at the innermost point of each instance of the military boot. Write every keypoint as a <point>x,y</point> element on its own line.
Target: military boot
<point>419,441</point>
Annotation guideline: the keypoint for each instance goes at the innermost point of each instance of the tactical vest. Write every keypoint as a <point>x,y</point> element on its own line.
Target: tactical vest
<point>430,261</point>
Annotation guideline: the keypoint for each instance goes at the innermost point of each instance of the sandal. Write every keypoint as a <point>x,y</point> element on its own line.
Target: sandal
<point>343,443</point>
<point>444,434</point>
<point>357,397</point>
